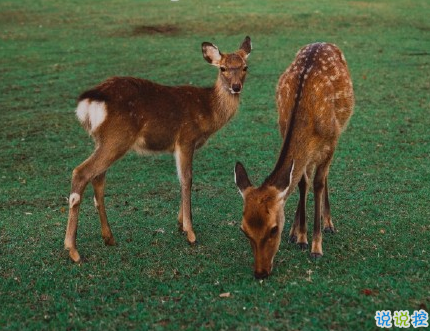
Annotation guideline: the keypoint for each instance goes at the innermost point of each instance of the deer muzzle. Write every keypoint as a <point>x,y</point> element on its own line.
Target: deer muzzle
<point>236,88</point>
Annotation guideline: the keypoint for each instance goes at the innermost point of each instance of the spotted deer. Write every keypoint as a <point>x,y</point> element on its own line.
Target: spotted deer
<point>125,113</point>
<point>315,100</point>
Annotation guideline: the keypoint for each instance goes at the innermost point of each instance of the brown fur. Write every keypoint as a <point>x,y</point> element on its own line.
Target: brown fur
<point>315,101</point>
<point>148,117</point>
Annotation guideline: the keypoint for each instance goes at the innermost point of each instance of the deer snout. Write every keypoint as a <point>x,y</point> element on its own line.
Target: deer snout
<point>236,88</point>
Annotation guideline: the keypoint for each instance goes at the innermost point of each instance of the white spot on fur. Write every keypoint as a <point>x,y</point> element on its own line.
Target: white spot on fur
<point>96,204</point>
<point>338,95</point>
<point>279,101</point>
<point>92,111</point>
<point>74,199</point>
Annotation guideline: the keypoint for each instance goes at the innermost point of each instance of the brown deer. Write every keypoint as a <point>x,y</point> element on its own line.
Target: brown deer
<point>315,100</point>
<point>125,113</point>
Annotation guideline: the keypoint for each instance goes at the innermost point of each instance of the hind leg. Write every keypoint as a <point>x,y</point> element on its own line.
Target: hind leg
<point>99,187</point>
<point>95,165</point>
<point>326,214</point>
<point>320,181</point>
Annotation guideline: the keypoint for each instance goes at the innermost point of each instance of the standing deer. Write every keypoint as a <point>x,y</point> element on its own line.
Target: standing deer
<point>125,113</point>
<point>315,100</point>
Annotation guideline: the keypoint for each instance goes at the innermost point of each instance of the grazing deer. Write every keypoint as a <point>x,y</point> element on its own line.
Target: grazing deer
<point>125,113</point>
<point>315,101</point>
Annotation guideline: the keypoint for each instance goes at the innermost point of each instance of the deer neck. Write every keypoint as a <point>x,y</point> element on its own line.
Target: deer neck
<point>283,171</point>
<point>289,156</point>
<point>224,104</point>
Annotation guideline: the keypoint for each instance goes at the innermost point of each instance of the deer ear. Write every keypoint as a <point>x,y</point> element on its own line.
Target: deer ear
<point>284,187</point>
<point>241,178</point>
<point>211,53</point>
<point>246,47</point>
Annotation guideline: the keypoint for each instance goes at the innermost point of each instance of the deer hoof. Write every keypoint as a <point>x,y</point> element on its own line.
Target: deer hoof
<point>191,237</point>
<point>194,243</point>
<point>329,229</point>
<point>109,241</point>
<point>303,246</point>
<point>316,256</point>
<point>292,239</point>
<point>74,255</point>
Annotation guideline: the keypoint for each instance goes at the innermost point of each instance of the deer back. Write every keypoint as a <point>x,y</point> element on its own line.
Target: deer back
<point>317,88</point>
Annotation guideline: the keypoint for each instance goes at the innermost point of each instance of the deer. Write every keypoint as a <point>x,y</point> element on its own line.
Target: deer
<point>125,114</point>
<point>315,101</point>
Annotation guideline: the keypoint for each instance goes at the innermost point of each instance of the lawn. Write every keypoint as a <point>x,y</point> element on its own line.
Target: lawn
<point>51,51</point>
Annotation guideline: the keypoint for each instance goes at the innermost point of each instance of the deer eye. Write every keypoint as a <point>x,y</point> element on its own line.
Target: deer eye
<point>223,69</point>
<point>245,68</point>
<point>274,231</point>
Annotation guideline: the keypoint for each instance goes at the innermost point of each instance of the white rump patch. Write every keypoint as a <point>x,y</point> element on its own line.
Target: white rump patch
<point>82,110</point>
<point>93,112</point>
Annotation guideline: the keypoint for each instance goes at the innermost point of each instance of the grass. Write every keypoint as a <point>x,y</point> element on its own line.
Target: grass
<point>379,181</point>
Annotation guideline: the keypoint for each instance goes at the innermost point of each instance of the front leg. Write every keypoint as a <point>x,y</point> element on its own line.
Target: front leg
<point>298,232</point>
<point>180,218</point>
<point>184,165</point>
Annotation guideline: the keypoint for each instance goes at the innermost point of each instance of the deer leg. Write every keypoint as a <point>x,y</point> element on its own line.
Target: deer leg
<point>319,187</point>
<point>95,165</point>
<point>328,224</point>
<point>180,218</point>
<point>184,160</point>
<point>98,183</point>
<point>298,232</point>
<point>292,237</point>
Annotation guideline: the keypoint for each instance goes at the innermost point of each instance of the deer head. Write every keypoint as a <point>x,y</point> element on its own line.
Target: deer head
<point>232,66</point>
<point>263,218</point>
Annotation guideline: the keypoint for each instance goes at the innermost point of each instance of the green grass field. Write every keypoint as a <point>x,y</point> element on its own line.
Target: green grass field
<point>379,182</point>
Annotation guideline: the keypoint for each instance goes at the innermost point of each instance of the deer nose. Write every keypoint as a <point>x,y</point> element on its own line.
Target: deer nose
<point>261,274</point>
<point>236,88</point>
